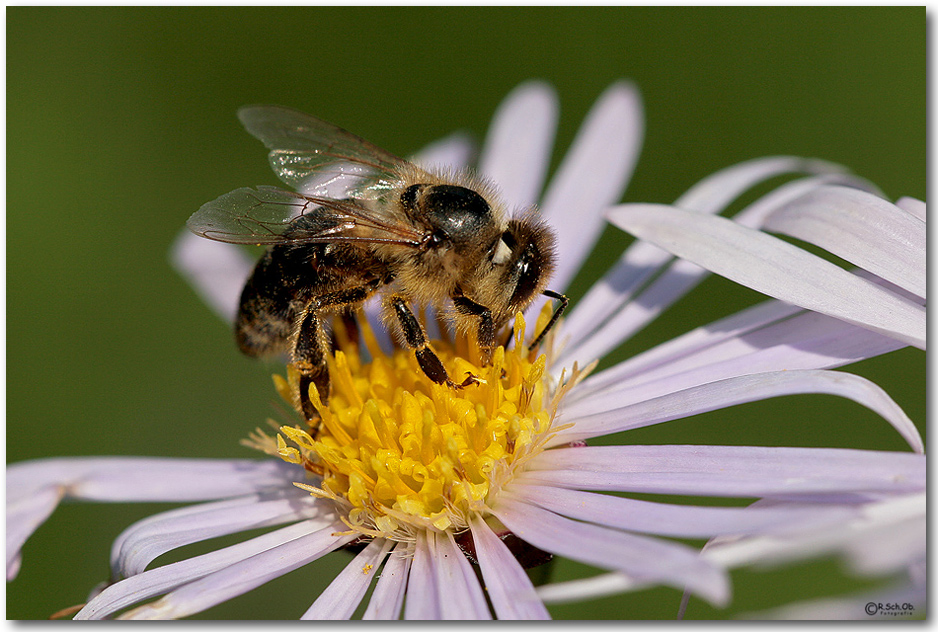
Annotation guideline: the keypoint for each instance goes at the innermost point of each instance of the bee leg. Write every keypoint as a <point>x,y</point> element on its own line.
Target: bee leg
<point>310,360</point>
<point>415,338</point>
<point>309,350</point>
<point>486,331</point>
<point>351,327</point>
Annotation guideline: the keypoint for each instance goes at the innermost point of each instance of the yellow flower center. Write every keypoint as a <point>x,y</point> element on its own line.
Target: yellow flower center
<point>400,453</point>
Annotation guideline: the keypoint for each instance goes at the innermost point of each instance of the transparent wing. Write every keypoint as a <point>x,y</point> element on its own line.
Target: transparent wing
<point>269,215</point>
<point>320,159</point>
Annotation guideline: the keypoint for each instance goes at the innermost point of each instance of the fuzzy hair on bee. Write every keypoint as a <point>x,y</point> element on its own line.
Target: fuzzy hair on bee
<point>363,221</point>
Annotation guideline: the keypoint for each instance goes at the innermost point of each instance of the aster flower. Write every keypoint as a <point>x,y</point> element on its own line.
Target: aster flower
<point>884,534</point>
<point>421,478</point>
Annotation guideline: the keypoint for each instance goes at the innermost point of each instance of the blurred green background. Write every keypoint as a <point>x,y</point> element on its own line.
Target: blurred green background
<point>121,122</point>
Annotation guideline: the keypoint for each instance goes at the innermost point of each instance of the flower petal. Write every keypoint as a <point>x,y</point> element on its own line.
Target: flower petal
<point>460,594</point>
<point>686,521</point>
<point>645,559</point>
<point>755,215</point>
<point>589,588</point>
<point>884,536</point>
<point>145,479</point>
<point>733,471</point>
<point>216,271</point>
<point>517,150</point>
<point>861,228</point>
<point>146,540</point>
<point>774,267</point>
<point>915,207</point>
<point>647,280</point>
<point>159,580</point>
<point>34,488</point>
<point>339,600</point>
<point>388,597</point>
<point>423,598</point>
<point>593,175</point>
<point>716,191</point>
<point>24,516</point>
<point>453,152</point>
<point>241,576</point>
<point>769,336</point>
<point>597,415</point>
<point>507,585</point>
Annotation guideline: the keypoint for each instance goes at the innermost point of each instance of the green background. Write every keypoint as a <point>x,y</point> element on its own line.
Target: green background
<point>121,123</point>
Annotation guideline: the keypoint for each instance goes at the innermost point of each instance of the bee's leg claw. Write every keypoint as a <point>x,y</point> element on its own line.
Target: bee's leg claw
<point>470,380</point>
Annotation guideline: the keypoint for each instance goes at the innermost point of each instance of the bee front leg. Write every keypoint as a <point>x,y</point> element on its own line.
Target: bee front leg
<point>486,331</point>
<point>416,338</point>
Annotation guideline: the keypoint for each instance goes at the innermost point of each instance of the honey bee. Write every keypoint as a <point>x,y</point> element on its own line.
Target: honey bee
<point>362,221</point>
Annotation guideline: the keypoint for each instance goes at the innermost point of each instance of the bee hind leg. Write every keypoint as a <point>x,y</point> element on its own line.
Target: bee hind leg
<point>416,338</point>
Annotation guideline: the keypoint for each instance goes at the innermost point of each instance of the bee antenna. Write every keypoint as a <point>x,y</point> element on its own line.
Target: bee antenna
<point>564,301</point>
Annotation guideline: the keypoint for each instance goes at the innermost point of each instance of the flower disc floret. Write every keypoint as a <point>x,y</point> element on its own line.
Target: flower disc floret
<point>399,452</point>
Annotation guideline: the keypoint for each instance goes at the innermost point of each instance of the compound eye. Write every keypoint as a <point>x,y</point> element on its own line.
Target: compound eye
<point>529,275</point>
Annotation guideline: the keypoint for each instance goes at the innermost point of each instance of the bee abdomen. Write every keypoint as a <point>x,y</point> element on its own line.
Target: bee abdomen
<point>268,305</point>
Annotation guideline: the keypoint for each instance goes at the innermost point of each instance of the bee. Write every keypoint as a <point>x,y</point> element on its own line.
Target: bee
<point>363,221</point>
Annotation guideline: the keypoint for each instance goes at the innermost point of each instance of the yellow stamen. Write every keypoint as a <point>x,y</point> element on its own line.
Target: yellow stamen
<point>400,453</point>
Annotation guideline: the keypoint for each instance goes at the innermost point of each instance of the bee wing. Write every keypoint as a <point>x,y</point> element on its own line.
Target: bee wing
<point>319,158</point>
<point>269,215</point>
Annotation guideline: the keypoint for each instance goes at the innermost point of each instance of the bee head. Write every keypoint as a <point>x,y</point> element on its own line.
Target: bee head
<point>523,257</point>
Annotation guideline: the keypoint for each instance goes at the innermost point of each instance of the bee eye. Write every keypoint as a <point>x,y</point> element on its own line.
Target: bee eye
<point>529,275</point>
<point>437,238</point>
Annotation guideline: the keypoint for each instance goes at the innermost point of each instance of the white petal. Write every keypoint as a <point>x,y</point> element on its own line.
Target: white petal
<point>34,488</point>
<point>159,580</point>
<point>241,577</point>
<point>594,587</point>
<point>144,479</point>
<point>647,280</point>
<point>517,150</point>
<point>388,597</point>
<point>741,335</point>
<point>24,516</point>
<point>451,153</point>
<point>339,600</point>
<point>733,471</point>
<point>913,206</point>
<point>716,191</point>
<point>763,338</point>
<point>460,594</point>
<point>645,559</point>
<point>755,214</point>
<point>774,267</point>
<point>593,328</point>
<point>861,228</point>
<point>506,583</point>
<point>423,598</point>
<point>146,540</point>
<point>217,271</point>
<point>894,526</point>
<point>686,521</point>
<point>726,393</point>
<point>593,175</point>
